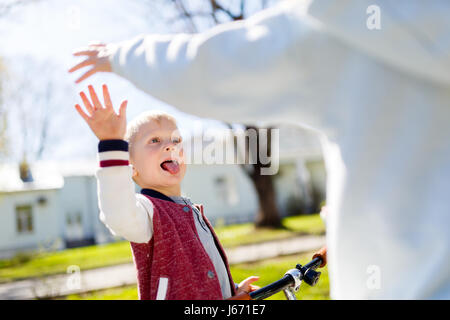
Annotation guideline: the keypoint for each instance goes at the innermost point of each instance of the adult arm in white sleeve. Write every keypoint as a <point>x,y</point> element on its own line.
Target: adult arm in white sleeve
<point>255,69</point>
<point>124,212</point>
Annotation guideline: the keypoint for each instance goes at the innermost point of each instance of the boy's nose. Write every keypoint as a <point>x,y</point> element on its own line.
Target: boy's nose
<point>170,147</point>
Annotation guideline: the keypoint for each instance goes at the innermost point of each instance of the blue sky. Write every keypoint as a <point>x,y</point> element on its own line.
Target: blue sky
<point>44,35</point>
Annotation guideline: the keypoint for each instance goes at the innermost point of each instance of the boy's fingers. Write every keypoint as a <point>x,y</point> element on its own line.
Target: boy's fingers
<point>123,108</point>
<point>246,285</point>
<point>86,75</point>
<point>249,280</point>
<point>252,288</point>
<point>81,112</point>
<point>87,103</point>
<point>106,97</point>
<point>82,64</point>
<point>252,279</point>
<point>94,98</point>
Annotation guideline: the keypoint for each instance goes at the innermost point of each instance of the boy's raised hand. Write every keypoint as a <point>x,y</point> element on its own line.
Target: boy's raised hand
<point>103,121</point>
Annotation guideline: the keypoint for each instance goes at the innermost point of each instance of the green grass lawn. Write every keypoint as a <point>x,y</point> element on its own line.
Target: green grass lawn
<point>268,271</point>
<point>43,264</point>
<point>246,233</point>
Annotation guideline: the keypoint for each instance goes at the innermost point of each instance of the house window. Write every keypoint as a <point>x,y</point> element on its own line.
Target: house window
<point>226,189</point>
<point>73,219</point>
<point>74,226</point>
<point>24,219</point>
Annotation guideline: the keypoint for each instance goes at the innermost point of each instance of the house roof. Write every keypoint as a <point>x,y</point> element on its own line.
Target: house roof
<point>46,175</point>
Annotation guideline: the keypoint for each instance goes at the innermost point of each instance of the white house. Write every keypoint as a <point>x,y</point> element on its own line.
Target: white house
<point>59,208</point>
<point>79,205</point>
<point>29,212</point>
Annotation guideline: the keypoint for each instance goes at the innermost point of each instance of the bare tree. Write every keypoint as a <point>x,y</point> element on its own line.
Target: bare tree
<point>33,97</point>
<point>8,5</point>
<point>197,16</point>
<point>268,214</point>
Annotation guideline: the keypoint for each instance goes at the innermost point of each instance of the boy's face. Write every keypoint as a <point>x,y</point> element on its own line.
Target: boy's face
<point>157,156</point>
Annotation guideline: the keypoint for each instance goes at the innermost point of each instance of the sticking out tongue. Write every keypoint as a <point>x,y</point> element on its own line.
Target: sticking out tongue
<point>171,166</point>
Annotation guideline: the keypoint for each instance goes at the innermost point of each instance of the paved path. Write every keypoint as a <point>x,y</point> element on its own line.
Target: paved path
<point>115,276</point>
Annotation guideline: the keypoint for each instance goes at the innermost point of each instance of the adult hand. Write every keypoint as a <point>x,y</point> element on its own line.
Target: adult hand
<point>97,56</point>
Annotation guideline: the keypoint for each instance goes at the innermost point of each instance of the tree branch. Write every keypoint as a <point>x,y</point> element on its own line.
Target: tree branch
<point>217,7</point>
<point>5,8</point>
<point>187,15</point>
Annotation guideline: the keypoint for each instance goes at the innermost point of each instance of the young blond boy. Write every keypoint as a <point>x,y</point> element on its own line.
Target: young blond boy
<point>175,250</point>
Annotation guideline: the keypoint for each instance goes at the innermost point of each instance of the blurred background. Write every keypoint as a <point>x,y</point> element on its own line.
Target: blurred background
<point>52,244</point>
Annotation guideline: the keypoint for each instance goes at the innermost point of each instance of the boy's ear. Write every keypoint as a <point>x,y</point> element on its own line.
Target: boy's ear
<point>135,173</point>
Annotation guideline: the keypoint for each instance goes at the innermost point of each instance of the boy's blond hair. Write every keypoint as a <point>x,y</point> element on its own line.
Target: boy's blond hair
<point>135,125</point>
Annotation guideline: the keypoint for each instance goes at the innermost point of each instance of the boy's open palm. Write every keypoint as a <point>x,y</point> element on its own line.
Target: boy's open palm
<point>103,120</point>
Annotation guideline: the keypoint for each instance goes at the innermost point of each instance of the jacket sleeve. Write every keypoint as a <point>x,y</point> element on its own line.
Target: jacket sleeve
<point>243,71</point>
<point>124,212</point>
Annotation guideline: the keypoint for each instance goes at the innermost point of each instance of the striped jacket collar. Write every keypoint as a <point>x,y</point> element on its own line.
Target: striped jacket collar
<point>155,194</point>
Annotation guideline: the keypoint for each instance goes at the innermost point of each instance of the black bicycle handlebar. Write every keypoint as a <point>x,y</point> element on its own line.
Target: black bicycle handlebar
<point>272,288</point>
<point>313,264</point>
<point>291,279</point>
<point>307,273</point>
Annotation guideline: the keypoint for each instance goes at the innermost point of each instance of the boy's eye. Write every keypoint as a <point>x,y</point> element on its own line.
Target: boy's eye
<point>154,140</point>
<point>176,140</point>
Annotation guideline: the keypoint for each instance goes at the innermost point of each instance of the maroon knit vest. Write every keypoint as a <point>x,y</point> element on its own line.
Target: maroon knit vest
<point>176,254</point>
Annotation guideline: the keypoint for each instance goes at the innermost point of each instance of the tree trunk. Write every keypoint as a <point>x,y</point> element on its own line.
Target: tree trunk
<point>267,215</point>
